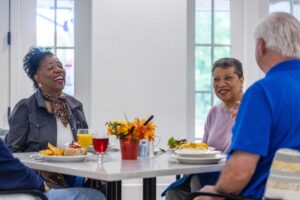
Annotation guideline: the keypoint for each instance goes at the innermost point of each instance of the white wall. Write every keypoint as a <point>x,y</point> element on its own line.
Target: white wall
<point>23,37</point>
<point>16,85</point>
<point>245,16</point>
<point>253,12</point>
<point>83,54</point>
<point>139,68</point>
<point>4,62</point>
<point>139,63</point>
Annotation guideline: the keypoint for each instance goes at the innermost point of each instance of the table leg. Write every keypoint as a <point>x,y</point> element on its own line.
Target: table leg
<point>114,190</point>
<point>149,188</point>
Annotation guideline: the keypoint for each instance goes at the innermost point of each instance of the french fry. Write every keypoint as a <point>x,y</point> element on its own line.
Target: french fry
<point>193,146</point>
<point>56,151</point>
<point>46,152</point>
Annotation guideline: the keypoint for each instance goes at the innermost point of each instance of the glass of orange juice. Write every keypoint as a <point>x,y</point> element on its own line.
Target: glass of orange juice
<point>84,137</point>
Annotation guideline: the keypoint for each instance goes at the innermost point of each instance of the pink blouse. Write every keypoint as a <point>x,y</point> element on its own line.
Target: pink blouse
<point>218,126</point>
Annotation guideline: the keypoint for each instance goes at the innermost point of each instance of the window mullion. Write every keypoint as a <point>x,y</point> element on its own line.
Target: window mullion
<point>216,45</point>
<point>212,42</point>
<point>202,92</point>
<point>207,51</point>
<point>55,27</point>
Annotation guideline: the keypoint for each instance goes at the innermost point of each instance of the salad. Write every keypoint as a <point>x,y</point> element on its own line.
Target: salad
<point>173,143</point>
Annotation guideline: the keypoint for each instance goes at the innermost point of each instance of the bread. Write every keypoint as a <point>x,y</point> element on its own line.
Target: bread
<point>74,150</point>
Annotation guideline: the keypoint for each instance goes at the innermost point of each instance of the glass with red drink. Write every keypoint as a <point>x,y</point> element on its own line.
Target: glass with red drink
<point>100,144</point>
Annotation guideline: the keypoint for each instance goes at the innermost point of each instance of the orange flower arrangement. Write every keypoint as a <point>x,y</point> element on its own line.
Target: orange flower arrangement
<point>138,129</point>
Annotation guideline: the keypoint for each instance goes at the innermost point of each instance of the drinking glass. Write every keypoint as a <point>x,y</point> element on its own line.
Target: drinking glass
<point>84,137</point>
<point>100,142</point>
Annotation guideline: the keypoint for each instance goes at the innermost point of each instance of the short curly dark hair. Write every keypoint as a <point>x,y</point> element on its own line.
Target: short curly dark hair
<point>33,59</point>
<point>229,62</point>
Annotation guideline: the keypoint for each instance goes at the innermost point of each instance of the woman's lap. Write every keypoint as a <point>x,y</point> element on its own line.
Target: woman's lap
<point>78,193</point>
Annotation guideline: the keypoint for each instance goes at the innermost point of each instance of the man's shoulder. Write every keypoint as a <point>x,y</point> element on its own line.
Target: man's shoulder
<point>257,87</point>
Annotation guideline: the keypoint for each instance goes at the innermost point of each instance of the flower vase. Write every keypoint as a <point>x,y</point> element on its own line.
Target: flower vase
<point>129,148</point>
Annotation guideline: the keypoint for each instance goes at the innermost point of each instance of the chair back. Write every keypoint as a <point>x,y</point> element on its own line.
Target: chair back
<point>3,133</point>
<point>17,197</point>
<point>284,178</point>
<point>22,195</point>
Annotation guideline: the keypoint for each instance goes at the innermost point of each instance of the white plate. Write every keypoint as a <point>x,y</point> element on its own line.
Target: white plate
<point>189,160</point>
<point>65,158</point>
<point>197,153</point>
<point>174,149</point>
<point>115,148</point>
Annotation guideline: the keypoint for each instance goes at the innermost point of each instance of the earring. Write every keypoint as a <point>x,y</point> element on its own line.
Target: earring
<point>40,85</point>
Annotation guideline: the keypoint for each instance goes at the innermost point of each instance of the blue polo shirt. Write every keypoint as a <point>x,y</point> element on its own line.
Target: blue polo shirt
<point>15,175</point>
<point>269,119</point>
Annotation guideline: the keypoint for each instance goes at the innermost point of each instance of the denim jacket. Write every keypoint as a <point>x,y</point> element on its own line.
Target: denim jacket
<point>32,126</point>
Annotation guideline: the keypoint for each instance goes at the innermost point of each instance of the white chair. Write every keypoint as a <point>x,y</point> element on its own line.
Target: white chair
<point>3,133</point>
<point>22,195</point>
<point>284,179</point>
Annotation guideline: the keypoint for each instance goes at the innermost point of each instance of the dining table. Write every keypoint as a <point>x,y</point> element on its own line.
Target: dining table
<point>113,170</point>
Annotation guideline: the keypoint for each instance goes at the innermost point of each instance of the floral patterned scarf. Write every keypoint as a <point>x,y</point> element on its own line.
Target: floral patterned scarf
<point>60,107</point>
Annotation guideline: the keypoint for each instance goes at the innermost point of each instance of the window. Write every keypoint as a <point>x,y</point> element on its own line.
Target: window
<point>212,41</point>
<point>290,6</point>
<point>55,29</point>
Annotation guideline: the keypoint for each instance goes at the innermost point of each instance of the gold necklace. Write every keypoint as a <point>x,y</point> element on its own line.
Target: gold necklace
<point>236,103</point>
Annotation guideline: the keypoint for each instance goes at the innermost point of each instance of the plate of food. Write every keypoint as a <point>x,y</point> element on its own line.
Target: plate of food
<point>193,146</point>
<point>191,160</point>
<point>72,153</point>
<point>184,144</point>
<point>195,153</point>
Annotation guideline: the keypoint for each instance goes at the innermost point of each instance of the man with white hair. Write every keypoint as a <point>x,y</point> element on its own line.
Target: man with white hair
<point>269,114</point>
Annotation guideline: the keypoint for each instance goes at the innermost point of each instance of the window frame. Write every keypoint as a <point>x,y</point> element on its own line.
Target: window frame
<point>291,7</point>
<point>57,47</point>
<point>191,49</point>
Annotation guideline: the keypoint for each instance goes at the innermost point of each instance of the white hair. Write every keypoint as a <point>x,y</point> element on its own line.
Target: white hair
<point>281,32</point>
